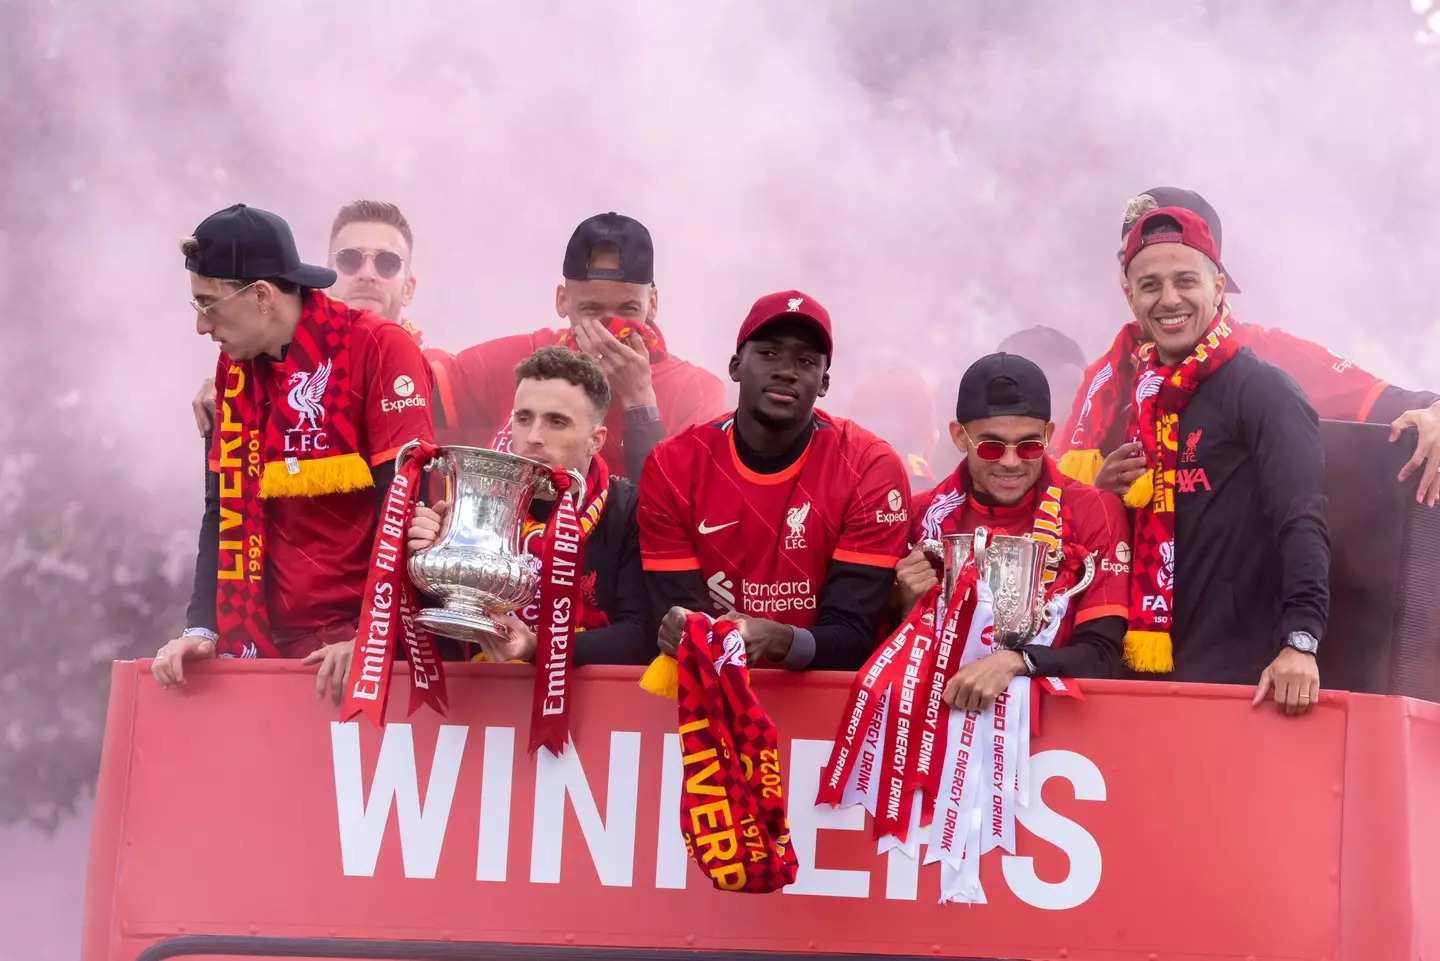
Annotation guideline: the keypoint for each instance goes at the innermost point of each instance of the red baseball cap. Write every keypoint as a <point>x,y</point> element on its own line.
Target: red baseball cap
<point>788,305</point>
<point>1188,228</point>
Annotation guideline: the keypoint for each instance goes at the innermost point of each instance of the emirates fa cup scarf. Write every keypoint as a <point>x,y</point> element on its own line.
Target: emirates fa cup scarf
<point>1159,394</point>
<point>597,493</point>
<point>732,809</point>
<point>303,444</point>
<point>560,559</point>
<point>391,601</point>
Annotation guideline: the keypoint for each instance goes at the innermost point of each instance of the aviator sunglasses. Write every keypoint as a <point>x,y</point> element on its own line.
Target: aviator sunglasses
<point>994,449</point>
<point>350,261</point>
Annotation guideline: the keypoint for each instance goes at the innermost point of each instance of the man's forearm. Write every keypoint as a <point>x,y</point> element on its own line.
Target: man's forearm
<point>628,642</point>
<point>201,611</point>
<point>1394,401</point>
<point>669,589</point>
<point>643,430</point>
<point>844,635</point>
<point>1094,650</point>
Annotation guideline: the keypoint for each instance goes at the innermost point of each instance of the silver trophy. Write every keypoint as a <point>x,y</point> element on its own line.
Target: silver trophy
<point>1014,570</point>
<point>478,566</point>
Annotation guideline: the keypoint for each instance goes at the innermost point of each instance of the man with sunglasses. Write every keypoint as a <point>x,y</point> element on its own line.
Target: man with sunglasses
<point>1008,485</point>
<point>1335,387</point>
<point>609,299</point>
<point>317,399</point>
<point>787,517</point>
<point>370,249</point>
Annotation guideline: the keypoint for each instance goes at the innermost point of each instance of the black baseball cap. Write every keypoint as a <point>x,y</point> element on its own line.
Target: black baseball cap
<point>625,234</point>
<point>1003,385</point>
<point>1186,199</point>
<point>247,243</point>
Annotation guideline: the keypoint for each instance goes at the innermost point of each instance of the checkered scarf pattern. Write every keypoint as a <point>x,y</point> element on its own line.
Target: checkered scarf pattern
<point>732,812</point>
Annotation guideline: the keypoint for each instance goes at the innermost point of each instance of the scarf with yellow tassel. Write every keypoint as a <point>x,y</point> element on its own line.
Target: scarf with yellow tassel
<point>1159,393</point>
<point>285,429</point>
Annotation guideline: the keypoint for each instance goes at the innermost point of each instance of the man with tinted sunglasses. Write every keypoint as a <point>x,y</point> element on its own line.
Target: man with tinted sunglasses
<point>609,301</point>
<point>1008,485</point>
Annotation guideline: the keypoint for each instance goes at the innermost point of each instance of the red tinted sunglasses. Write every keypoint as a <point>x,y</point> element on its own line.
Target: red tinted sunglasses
<point>995,450</point>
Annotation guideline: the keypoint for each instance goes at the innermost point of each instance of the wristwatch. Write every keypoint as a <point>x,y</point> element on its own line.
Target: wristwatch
<point>1029,664</point>
<point>642,416</point>
<point>204,632</point>
<point>1302,642</point>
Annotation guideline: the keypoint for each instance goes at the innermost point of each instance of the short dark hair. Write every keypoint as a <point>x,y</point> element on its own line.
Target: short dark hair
<point>190,247</point>
<point>571,366</point>
<point>373,212</point>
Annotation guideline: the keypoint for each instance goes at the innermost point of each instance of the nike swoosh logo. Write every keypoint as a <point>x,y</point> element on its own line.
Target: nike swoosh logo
<point>717,527</point>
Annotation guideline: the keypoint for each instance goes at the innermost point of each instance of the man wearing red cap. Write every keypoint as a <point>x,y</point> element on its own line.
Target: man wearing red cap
<point>609,301</point>
<point>780,513</point>
<point>1230,570</point>
<point>1334,386</point>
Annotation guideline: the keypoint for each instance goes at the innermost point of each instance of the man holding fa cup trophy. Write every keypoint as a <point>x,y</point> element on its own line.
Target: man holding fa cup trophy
<point>315,400</point>
<point>561,400</point>
<point>1008,485</point>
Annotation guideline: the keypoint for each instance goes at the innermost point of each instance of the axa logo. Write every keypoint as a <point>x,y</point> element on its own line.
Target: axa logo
<point>795,521</point>
<point>1187,478</point>
<point>722,590</point>
<point>307,399</point>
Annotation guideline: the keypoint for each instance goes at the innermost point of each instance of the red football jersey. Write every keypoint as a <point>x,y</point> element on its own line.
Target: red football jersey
<point>764,542</point>
<point>1097,520</point>
<point>476,392</point>
<point>318,548</point>
<point>1336,388</point>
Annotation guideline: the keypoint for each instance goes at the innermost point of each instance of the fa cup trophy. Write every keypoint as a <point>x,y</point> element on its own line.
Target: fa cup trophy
<point>477,566</point>
<point>1014,569</point>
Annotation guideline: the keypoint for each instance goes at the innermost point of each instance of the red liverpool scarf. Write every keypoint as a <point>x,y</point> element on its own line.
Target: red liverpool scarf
<point>732,810</point>
<point>621,331</point>
<point>391,602</point>
<point>1159,394</point>
<point>301,444</point>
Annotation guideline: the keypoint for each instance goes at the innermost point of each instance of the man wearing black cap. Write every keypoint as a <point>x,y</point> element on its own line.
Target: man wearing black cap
<point>609,299</point>
<point>786,516</point>
<point>1335,387</point>
<point>315,401</point>
<point>1008,485</point>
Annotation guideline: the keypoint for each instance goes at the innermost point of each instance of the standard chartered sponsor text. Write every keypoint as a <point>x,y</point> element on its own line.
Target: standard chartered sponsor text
<point>777,597</point>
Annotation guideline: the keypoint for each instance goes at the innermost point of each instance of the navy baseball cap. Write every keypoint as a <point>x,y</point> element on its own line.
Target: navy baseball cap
<point>1003,385</point>
<point>626,234</point>
<point>247,243</point>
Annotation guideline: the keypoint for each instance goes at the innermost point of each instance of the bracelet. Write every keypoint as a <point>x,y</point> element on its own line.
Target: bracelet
<point>204,632</point>
<point>642,416</point>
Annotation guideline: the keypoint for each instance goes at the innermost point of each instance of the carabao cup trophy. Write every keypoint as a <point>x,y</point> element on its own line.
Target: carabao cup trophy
<point>478,566</point>
<point>1014,570</point>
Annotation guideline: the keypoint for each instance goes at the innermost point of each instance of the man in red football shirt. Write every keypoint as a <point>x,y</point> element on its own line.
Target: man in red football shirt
<point>788,518</point>
<point>1335,387</point>
<point>1002,426</point>
<point>316,401</point>
<point>609,300</point>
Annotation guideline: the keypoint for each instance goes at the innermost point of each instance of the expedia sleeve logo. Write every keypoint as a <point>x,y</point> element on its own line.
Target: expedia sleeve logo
<point>403,388</point>
<point>897,513</point>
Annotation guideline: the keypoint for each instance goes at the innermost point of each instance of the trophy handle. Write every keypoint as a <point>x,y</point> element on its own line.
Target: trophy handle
<point>404,452</point>
<point>933,550</point>
<point>1085,578</point>
<point>577,484</point>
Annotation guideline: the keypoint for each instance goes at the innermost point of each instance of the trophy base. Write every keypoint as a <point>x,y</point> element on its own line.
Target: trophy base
<point>468,626</point>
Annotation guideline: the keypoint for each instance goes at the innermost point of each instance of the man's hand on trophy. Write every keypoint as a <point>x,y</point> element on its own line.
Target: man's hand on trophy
<point>425,526</point>
<point>203,406</point>
<point>915,574</point>
<point>334,661</point>
<point>626,364</point>
<point>1121,469</point>
<point>519,647</point>
<point>671,628</point>
<point>976,685</point>
<point>764,640</point>
<point>168,667</point>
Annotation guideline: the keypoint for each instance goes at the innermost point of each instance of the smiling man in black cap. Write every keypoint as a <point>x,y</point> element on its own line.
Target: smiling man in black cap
<point>315,401</point>
<point>1334,386</point>
<point>609,300</point>
<point>1009,485</point>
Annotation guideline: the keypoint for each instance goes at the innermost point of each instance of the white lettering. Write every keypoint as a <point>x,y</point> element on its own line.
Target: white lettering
<point>807,759</point>
<point>493,858</point>
<point>1077,843</point>
<point>612,841</point>
<point>672,864</point>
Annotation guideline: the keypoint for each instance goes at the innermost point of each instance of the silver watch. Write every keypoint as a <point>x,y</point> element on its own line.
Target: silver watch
<point>1029,664</point>
<point>204,632</point>
<point>1302,642</point>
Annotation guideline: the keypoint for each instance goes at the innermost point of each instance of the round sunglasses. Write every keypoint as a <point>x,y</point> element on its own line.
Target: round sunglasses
<point>995,449</point>
<point>350,261</point>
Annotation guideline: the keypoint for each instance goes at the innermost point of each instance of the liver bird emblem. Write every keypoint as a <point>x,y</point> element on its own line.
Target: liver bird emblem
<point>306,390</point>
<point>795,519</point>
